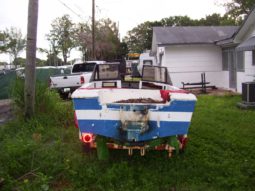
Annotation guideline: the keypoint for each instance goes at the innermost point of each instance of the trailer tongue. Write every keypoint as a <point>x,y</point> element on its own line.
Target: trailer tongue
<point>152,114</point>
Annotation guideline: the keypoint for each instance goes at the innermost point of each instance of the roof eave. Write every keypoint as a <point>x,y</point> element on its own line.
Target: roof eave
<point>189,43</point>
<point>243,28</point>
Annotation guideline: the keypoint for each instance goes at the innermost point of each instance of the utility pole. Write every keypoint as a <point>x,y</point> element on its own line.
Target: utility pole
<point>93,29</point>
<point>118,27</point>
<point>30,79</point>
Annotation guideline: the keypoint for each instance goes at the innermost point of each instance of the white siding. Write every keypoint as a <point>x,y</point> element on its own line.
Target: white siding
<point>187,62</point>
<point>224,80</point>
<point>249,69</point>
<point>249,74</point>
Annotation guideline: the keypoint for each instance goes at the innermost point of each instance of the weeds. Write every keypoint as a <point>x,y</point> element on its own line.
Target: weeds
<point>46,101</point>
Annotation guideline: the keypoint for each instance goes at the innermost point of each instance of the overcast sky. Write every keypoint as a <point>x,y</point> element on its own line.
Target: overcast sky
<point>128,13</point>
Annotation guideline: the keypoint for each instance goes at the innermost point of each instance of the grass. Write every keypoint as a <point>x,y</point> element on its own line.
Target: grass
<point>45,154</point>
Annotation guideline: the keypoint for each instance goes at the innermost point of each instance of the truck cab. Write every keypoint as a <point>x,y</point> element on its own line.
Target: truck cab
<point>81,73</point>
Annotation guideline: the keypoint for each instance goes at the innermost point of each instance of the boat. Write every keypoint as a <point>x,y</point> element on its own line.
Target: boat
<point>144,114</point>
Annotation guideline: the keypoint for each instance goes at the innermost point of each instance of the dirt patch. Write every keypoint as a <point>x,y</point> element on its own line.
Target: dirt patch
<point>215,92</point>
<point>140,100</point>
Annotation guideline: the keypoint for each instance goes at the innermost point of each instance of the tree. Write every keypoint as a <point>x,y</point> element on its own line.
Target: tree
<point>217,20</point>
<point>178,21</point>
<point>3,64</point>
<point>20,61</point>
<point>53,60</point>
<point>140,37</point>
<point>13,43</point>
<point>52,57</point>
<point>107,40</point>
<point>237,8</point>
<point>122,50</point>
<point>30,78</point>
<point>61,36</point>
<point>2,42</point>
<point>84,39</point>
<point>106,36</point>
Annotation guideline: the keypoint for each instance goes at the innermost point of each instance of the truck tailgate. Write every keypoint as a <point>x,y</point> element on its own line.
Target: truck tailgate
<point>71,80</point>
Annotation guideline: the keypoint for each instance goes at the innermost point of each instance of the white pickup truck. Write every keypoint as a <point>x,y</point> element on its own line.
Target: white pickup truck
<point>80,73</point>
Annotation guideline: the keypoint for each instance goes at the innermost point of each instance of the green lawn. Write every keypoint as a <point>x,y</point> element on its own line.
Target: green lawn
<point>45,154</point>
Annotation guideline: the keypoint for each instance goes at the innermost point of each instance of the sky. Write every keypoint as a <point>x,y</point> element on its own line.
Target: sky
<point>127,13</point>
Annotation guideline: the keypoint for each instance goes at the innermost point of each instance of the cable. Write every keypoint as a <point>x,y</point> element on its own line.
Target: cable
<point>78,8</point>
<point>70,9</point>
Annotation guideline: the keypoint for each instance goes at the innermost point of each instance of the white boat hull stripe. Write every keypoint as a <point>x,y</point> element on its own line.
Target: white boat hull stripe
<point>115,115</point>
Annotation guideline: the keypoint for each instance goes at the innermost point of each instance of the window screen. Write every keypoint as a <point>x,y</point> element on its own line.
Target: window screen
<point>155,74</point>
<point>240,61</point>
<point>253,57</point>
<point>225,60</point>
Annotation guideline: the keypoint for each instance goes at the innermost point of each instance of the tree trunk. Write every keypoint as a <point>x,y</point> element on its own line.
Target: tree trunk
<point>65,58</point>
<point>30,76</point>
<point>15,60</point>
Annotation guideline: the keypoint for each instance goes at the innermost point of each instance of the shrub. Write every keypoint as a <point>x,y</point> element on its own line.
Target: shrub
<point>46,101</point>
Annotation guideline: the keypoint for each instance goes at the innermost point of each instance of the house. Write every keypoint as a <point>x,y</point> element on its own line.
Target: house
<point>224,53</point>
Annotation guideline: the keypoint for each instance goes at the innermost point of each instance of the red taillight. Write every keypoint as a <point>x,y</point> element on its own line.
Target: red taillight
<point>82,80</point>
<point>87,137</point>
<point>75,120</point>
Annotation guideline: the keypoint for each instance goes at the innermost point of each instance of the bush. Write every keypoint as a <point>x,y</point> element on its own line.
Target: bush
<point>46,101</point>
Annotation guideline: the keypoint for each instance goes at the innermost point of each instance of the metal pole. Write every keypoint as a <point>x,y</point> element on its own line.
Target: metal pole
<point>93,29</point>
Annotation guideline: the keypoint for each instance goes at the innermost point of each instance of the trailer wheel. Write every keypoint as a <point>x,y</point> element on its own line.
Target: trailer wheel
<point>63,96</point>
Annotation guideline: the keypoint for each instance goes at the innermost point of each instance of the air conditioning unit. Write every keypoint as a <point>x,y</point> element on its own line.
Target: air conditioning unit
<point>248,92</point>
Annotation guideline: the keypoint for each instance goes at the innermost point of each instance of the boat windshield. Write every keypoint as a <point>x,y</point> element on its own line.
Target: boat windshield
<point>106,72</point>
<point>156,74</point>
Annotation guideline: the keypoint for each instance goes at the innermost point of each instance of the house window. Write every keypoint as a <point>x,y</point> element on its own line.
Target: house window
<point>240,61</point>
<point>253,57</point>
<point>225,60</point>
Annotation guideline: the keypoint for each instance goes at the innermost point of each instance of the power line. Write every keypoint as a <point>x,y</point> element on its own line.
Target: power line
<point>70,9</point>
<point>78,8</point>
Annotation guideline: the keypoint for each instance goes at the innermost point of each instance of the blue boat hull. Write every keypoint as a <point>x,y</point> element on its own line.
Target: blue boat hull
<point>165,121</point>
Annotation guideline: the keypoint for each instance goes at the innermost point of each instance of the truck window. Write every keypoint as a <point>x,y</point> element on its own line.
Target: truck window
<point>84,67</point>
